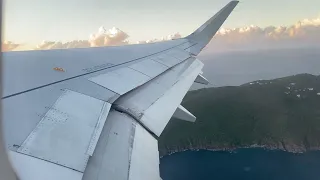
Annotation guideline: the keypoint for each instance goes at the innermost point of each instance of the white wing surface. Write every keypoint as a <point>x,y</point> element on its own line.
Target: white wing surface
<point>96,113</point>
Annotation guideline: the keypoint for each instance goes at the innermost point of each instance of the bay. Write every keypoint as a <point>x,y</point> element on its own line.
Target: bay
<point>249,163</point>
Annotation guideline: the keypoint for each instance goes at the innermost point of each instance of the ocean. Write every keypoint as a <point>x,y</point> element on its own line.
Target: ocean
<point>236,68</point>
<point>246,164</point>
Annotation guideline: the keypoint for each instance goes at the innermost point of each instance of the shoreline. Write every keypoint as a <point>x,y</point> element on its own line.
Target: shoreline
<point>295,149</point>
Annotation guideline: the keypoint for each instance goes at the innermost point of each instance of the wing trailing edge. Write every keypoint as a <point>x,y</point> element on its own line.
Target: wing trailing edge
<point>204,33</point>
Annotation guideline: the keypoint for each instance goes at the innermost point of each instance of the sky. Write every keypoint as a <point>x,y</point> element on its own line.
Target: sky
<point>66,20</point>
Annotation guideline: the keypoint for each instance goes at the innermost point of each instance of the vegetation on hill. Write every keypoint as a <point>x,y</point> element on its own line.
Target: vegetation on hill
<point>282,113</point>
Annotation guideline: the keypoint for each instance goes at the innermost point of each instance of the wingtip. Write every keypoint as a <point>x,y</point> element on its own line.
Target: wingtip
<point>204,33</point>
<point>234,2</point>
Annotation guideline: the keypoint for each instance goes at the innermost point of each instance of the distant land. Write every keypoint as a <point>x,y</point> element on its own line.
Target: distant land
<point>238,67</point>
<point>282,113</point>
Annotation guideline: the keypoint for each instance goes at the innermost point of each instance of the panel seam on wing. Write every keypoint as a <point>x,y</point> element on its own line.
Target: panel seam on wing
<point>132,114</point>
<point>131,142</point>
<point>48,161</point>
<point>139,72</point>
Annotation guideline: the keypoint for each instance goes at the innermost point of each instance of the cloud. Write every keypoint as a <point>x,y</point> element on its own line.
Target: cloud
<point>304,33</point>
<point>169,37</point>
<point>8,46</point>
<point>111,37</point>
<point>148,41</point>
<point>174,36</point>
<point>59,45</point>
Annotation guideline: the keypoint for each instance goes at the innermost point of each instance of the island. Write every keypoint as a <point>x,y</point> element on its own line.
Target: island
<point>283,113</point>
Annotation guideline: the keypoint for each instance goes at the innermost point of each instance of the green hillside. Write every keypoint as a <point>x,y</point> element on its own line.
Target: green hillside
<point>282,113</point>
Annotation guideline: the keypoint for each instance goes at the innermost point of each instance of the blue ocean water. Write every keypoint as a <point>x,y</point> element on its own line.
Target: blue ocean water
<point>248,164</point>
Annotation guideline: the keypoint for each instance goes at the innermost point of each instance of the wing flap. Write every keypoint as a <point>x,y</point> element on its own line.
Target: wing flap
<point>144,162</point>
<point>23,112</point>
<point>154,103</point>
<point>30,168</point>
<point>98,128</point>
<point>159,113</point>
<point>126,148</point>
<point>112,156</point>
<point>124,151</point>
<point>68,132</point>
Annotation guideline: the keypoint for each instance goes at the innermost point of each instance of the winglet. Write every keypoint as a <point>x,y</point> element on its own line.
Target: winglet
<point>204,33</point>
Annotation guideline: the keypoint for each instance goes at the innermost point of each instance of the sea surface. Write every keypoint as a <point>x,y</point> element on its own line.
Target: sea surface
<point>236,68</point>
<point>252,164</point>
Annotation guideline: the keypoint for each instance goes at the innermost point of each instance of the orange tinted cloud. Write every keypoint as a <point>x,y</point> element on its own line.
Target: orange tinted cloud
<point>303,33</point>
<point>111,37</point>
<point>44,45</point>
<point>306,31</point>
<point>8,46</point>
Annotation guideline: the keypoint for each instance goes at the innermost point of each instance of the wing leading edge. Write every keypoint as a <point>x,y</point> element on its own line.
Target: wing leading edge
<point>101,120</point>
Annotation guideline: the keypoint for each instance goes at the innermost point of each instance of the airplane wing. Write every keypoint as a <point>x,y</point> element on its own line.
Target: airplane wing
<point>96,113</point>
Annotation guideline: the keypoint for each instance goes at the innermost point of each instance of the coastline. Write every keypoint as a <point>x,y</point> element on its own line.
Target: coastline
<point>279,114</point>
<point>290,148</point>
